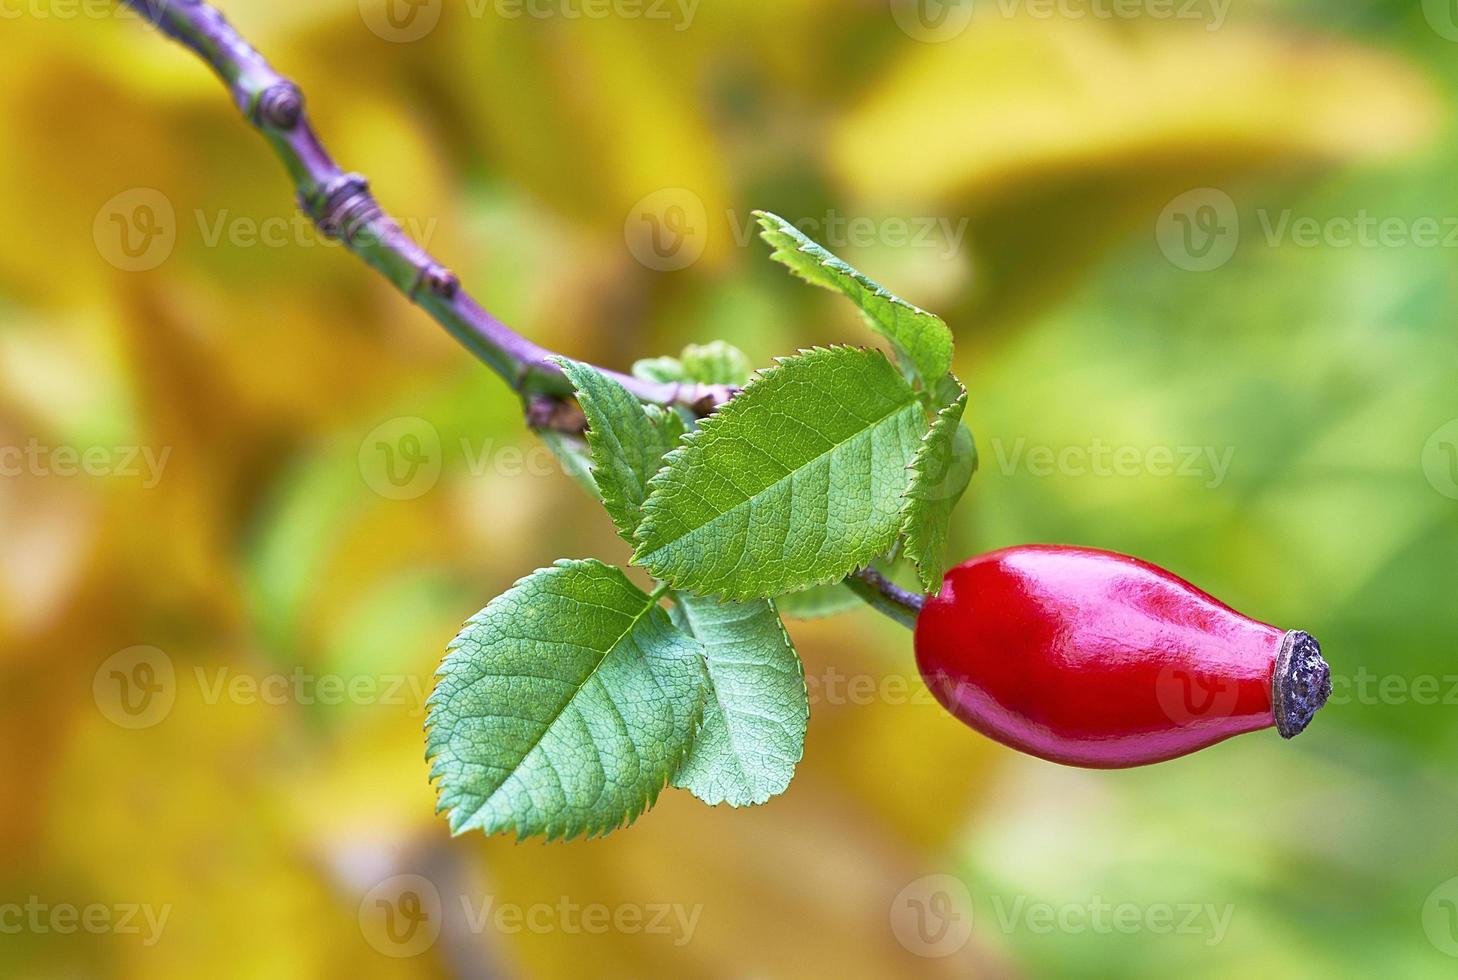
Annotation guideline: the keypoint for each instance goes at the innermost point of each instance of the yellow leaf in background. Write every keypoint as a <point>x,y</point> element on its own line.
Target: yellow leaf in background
<point>180,817</point>
<point>610,129</point>
<point>1012,99</point>
<point>801,888</point>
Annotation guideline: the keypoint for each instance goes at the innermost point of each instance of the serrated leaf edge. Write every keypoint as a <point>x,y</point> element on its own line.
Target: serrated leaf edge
<point>917,468</point>
<point>775,227</point>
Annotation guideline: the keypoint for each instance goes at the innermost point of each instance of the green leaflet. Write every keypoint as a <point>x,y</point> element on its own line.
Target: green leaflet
<point>757,708</point>
<point>563,707</point>
<point>796,482</point>
<point>920,337</point>
<point>715,363</point>
<point>819,602</point>
<point>940,473</point>
<point>663,370</point>
<point>628,441</point>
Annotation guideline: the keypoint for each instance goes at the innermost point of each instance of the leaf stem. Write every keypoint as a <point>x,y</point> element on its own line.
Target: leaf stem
<point>342,206</point>
<point>886,597</point>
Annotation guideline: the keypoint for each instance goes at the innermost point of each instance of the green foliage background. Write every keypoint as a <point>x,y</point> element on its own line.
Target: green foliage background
<point>521,149</point>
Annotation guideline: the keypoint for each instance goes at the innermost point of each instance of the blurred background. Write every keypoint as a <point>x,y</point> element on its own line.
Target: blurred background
<point>1199,258</point>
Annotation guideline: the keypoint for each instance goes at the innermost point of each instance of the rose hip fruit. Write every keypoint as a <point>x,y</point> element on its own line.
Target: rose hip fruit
<point>1093,659</point>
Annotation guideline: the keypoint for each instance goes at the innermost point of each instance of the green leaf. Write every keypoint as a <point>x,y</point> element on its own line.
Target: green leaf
<point>661,370</point>
<point>940,474</point>
<point>921,338</point>
<point>819,602</point>
<point>628,441</point>
<point>717,363</point>
<point>757,709</point>
<point>796,482</point>
<point>563,707</point>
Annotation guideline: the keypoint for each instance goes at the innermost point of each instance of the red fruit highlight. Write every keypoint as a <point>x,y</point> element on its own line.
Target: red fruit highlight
<point>1093,659</point>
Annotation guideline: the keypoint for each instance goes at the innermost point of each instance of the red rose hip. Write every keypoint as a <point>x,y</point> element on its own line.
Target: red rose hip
<point>1094,659</point>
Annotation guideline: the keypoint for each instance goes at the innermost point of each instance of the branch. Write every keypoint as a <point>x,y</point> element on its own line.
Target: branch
<point>342,206</point>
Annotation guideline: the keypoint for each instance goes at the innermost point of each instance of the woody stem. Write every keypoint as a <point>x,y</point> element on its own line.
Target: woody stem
<point>342,206</point>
